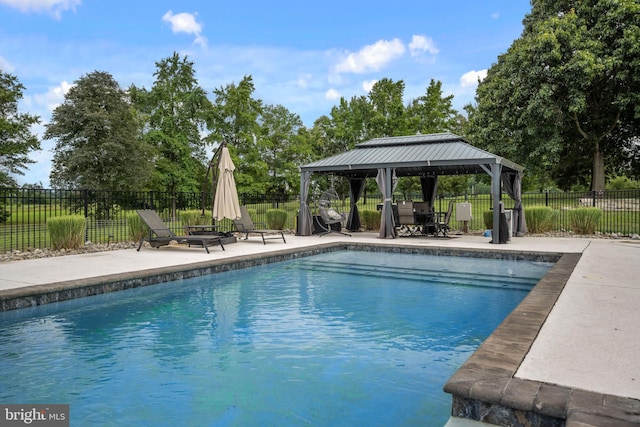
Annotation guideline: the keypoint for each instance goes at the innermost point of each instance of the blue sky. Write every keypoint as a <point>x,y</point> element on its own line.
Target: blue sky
<point>302,55</point>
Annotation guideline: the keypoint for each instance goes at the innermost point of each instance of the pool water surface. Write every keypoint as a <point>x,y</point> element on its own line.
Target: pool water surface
<point>342,338</point>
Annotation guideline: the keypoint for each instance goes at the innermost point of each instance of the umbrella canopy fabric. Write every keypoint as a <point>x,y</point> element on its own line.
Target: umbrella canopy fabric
<point>225,203</point>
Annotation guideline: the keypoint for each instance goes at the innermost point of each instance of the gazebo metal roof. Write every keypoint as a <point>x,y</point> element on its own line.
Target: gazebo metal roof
<point>415,155</point>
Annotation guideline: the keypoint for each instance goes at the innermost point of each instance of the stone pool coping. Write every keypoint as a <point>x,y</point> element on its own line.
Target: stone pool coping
<point>35,295</point>
<point>484,388</point>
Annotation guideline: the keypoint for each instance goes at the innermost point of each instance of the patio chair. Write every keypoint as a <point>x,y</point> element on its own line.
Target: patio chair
<point>442,225</point>
<point>407,219</point>
<point>161,235</point>
<point>330,217</point>
<point>246,226</point>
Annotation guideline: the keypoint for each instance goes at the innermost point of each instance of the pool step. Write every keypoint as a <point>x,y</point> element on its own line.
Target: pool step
<point>423,275</point>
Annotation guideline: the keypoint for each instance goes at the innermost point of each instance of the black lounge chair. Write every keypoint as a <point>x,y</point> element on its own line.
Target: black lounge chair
<point>161,235</point>
<point>246,226</point>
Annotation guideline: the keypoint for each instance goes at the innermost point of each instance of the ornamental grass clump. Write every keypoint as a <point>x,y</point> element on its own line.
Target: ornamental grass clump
<point>195,217</point>
<point>487,219</point>
<point>276,218</point>
<point>66,232</point>
<point>540,219</point>
<point>584,220</point>
<point>370,219</point>
<point>137,228</point>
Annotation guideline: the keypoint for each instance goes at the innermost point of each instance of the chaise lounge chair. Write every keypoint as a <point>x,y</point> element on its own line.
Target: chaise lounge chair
<point>161,235</point>
<point>245,225</point>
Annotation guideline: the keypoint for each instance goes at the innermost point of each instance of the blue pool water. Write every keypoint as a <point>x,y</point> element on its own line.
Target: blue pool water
<point>338,339</point>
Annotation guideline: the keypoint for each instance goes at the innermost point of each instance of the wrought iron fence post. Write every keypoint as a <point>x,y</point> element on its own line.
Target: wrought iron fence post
<point>85,195</point>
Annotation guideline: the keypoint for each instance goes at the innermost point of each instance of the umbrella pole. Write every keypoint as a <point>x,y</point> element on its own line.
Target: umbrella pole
<point>215,175</point>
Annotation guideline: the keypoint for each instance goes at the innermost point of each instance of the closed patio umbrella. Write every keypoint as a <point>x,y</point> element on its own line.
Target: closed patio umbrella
<point>225,203</point>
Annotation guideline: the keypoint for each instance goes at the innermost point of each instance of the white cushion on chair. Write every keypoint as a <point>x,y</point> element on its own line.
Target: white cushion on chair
<point>334,215</point>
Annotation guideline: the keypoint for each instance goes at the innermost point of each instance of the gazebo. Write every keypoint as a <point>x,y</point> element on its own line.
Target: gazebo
<point>426,156</point>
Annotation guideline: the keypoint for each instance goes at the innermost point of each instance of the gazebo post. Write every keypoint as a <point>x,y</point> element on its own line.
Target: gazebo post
<point>496,190</point>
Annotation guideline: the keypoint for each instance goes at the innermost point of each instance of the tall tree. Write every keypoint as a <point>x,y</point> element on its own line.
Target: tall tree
<point>234,120</point>
<point>566,89</point>
<point>432,112</point>
<point>350,122</point>
<point>98,143</point>
<point>388,113</point>
<point>174,112</point>
<point>16,139</point>
<point>283,147</point>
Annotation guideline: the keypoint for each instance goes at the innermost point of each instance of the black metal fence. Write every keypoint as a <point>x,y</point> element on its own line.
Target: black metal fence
<point>24,212</point>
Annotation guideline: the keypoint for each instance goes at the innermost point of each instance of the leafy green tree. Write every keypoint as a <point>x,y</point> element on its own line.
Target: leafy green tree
<point>564,94</point>
<point>388,115</point>
<point>174,112</point>
<point>233,119</point>
<point>433,112</point>
<point>283,147</point>
<point>16,139</point>
<point>98,144</point>
<point>348,125</point>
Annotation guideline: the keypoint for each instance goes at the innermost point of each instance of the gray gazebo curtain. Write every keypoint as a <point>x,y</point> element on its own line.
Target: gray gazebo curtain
<point>305,220</point>
<point>384,180</point>
<point>429,185</point>
<point>356,187</point>
<point>512,183</point>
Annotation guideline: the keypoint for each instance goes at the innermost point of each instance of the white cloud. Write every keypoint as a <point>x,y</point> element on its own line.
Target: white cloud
<point>420,44</point>
<point>186,23</point>
<point>367,85</point>
<point>371,57</point>
<point>5,66</point>
<point>49,100</point>
<point>303,80</point>
<point>54,7</point>
<point>495,15</point>
<point>470,78</point>
<point>332,94</point>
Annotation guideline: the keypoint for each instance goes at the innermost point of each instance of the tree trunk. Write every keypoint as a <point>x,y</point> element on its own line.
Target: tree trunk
<point>597,170</point>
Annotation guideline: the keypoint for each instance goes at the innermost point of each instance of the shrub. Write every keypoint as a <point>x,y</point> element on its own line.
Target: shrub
<point>584,220</point>
<point>370,219</point>
<point>66,232</point>
<point>622,183</point>
<point>487,218</point>
<point>137,228</point>
<point>276,218</point>
<point>540,219</point>
<point>4,214</point>
<point>195,217</point>
<point>252,213</point>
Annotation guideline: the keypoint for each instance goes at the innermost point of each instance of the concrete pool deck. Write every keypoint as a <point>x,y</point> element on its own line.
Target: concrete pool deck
<point>582,362</point>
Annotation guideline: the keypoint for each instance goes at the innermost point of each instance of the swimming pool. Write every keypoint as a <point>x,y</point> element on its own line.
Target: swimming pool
<point>342,338</point>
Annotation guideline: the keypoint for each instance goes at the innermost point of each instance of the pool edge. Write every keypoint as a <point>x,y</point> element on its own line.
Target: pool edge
<point>35,295</point>
<point>485,388</point>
